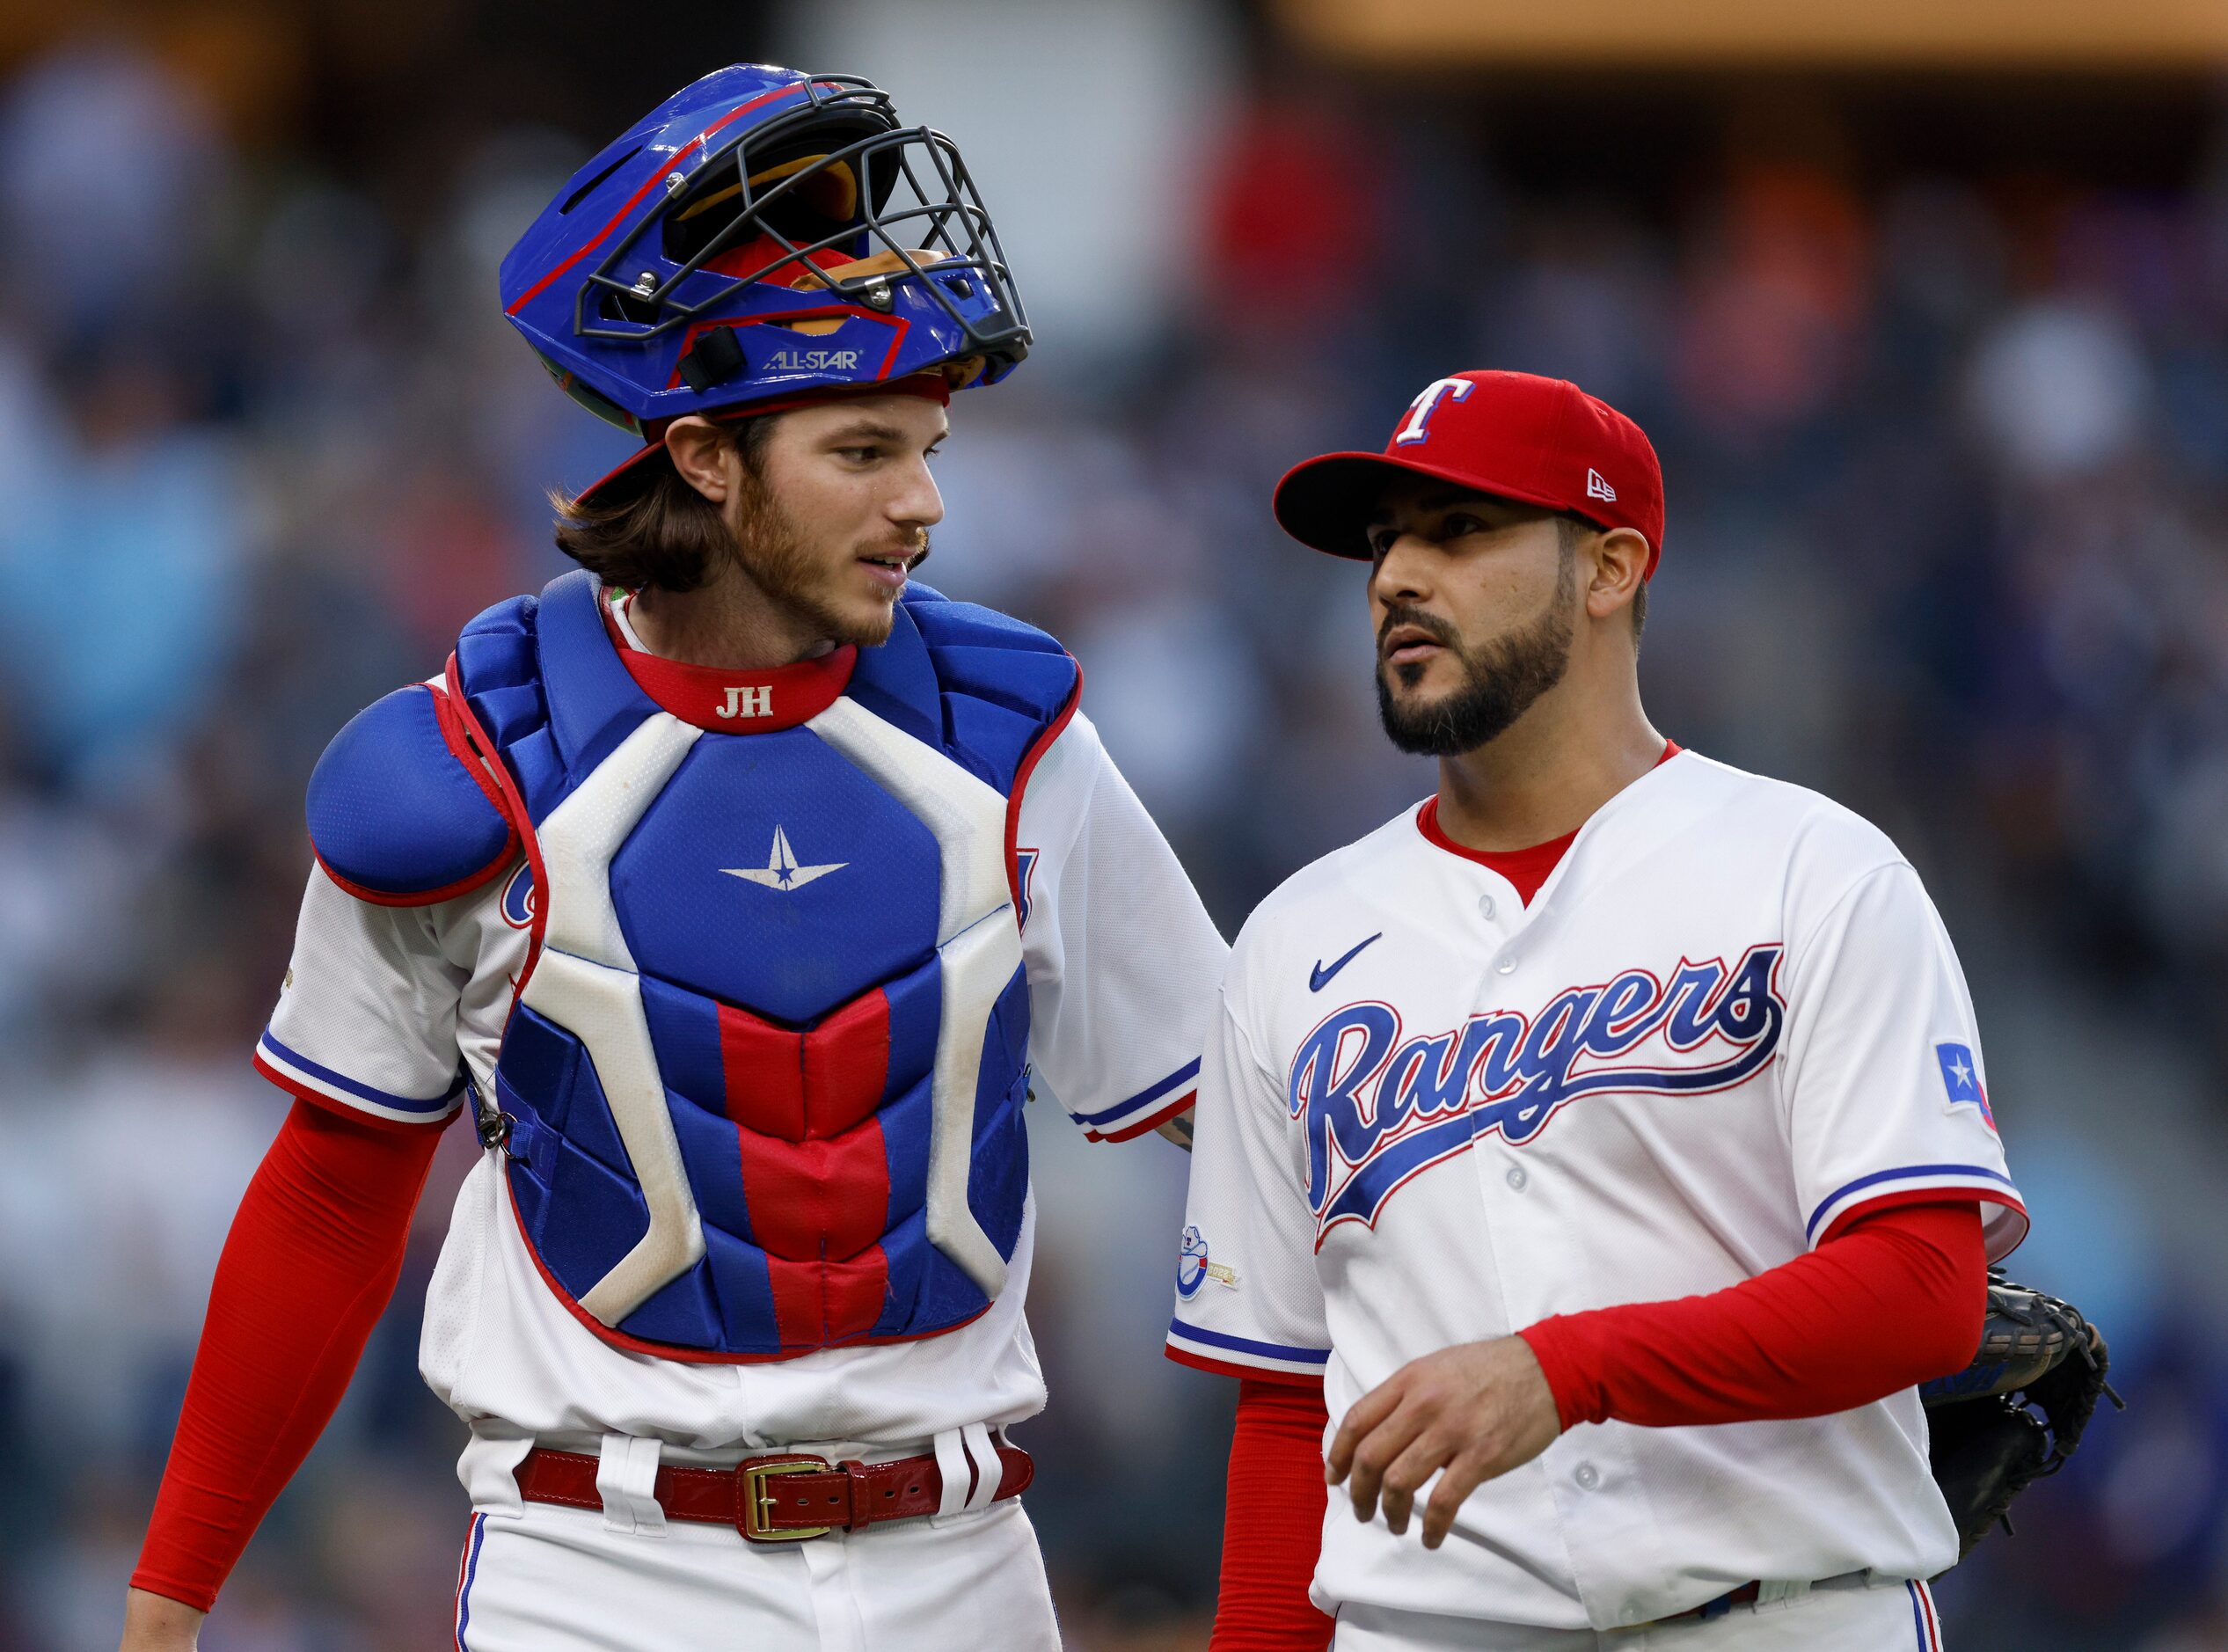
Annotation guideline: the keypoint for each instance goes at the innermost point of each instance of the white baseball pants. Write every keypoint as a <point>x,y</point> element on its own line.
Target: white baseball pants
<point>1882,1618</point>
<point>554,1579</point>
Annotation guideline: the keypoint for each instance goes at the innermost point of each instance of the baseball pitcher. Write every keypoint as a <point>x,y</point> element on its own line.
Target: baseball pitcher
<point>1592,1161</point>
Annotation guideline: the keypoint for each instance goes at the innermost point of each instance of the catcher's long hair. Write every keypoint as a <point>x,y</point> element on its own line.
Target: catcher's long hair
<point>661,533</point>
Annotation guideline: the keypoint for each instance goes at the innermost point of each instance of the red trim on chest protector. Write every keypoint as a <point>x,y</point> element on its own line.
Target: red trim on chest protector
<point>515,810</point>
<point>701,1356</point>
<point>1021,773</point>
<point>1526,869</point>
<point>736,702</point>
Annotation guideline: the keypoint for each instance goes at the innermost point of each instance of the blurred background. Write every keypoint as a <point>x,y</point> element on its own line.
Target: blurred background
<point>1924,306</point>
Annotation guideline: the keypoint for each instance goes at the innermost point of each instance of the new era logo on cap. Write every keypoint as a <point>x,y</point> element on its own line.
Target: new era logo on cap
<point>1509,435</point>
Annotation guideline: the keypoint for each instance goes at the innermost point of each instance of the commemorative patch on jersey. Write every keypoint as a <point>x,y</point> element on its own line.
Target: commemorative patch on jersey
<point>1380,1106</point>
<point>519,897</point>
<point>1194,1268</point>
<point>1961,1079</point>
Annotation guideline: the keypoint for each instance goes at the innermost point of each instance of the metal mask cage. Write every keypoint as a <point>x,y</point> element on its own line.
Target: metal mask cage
<point>942,218</point>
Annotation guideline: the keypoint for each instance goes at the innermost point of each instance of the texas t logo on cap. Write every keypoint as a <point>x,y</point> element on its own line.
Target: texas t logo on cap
<point>1539,441</point>
<point>1420,410</point>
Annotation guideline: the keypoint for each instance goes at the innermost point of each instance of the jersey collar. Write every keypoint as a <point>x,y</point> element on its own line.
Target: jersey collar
<point>726,702</point>
<point>1525,870</point>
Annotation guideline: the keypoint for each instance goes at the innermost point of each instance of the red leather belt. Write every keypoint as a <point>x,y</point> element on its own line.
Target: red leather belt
<point>774,1499</point>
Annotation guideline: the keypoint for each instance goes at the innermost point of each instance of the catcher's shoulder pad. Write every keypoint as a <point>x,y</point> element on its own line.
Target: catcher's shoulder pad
<point>1003,684</point>
<point>401,810</point>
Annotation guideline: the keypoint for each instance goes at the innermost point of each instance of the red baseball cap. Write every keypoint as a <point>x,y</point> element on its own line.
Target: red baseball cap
<point>1542,441</point>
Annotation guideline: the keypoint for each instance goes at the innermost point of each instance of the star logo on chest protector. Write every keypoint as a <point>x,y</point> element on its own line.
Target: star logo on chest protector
<point>781,870</point>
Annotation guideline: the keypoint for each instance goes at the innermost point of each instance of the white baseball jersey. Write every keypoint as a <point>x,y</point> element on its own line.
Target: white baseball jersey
<point>1432,1114</point>
<point>384,1003</point>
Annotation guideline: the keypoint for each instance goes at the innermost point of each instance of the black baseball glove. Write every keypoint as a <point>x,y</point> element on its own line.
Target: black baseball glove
<point>2037,1354</point>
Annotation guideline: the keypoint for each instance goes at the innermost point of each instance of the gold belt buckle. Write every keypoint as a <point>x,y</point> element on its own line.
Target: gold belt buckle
<point>758,1502</point>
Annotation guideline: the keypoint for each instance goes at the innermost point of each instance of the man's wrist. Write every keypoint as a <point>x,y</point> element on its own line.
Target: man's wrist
<point>155,1622</point>
<point>1578,1398</point>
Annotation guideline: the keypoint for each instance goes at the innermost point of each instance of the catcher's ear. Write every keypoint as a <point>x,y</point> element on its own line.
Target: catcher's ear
<point>705,456</point>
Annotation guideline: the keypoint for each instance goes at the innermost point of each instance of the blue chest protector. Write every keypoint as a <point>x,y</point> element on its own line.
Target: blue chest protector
<point>767,1065</point>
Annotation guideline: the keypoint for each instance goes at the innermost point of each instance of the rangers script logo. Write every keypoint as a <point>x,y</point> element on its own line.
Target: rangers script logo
<point>1379,1110</point>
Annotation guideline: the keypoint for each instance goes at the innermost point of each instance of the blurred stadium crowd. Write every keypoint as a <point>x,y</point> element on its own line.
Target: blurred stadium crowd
<point>1947,468</point>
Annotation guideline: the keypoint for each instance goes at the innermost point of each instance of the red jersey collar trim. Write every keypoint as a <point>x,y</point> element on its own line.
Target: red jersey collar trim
<point>1526,869</point>
<point>736,702</point>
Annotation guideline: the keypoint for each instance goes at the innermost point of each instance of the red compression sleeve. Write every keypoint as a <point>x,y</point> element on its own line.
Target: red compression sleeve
<point>310,1262</point>
<point>1272,1523</point>
<point>1895,1297</point>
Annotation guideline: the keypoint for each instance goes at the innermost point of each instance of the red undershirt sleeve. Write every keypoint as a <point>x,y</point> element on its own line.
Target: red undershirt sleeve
<point>1894,1297</point>
<point>1273,1522</point>
<point>310,1263</point>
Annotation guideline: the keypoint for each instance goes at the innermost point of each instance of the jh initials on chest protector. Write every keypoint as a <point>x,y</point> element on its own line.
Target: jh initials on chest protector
<point>767,1065</point>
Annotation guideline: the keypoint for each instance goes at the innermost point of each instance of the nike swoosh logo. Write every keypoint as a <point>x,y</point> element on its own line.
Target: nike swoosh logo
<point>1318,977</point>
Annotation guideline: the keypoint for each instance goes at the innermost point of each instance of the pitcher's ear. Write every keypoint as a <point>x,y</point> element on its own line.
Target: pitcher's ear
<point>1619,559</point>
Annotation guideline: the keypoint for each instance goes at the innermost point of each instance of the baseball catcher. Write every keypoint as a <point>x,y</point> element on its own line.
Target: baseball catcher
<point>742,891</point>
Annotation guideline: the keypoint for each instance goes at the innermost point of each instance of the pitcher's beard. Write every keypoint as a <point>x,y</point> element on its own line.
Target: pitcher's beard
<point>1500,680</point>
<point>772,551</point>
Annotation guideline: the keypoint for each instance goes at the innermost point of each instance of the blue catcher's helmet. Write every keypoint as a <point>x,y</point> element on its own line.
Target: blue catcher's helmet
<point>763,237</point>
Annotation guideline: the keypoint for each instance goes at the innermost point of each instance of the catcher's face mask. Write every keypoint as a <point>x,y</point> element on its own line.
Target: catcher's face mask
<point>761,237</point>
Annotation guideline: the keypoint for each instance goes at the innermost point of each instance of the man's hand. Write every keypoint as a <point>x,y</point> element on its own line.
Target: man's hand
<point>1475,1410</point>
<point>155,1623</point>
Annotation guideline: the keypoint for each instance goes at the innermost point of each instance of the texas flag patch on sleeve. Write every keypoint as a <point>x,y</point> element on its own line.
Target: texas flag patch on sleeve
<point>1961,1078</point>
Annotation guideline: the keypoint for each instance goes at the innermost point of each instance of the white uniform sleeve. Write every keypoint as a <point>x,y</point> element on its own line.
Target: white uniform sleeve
<point>1887,1092</point>
<point>1249,1302</point>
<point>1122,959</point>
<point>367,1019</point>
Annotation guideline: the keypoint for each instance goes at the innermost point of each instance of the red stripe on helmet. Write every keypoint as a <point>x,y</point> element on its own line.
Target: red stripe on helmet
<point>634,199</point>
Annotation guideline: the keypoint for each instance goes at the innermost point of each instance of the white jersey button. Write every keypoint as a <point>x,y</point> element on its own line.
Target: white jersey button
<point>1588,1477</point>
<point>1486,907</point>
<point>1507,966</point>
<point>1516,1177</point>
